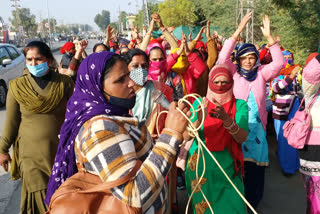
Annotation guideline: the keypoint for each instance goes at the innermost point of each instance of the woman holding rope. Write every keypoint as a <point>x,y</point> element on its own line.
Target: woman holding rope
<point>98,112</point>
<point>250,78</point>
<point>223,131</point>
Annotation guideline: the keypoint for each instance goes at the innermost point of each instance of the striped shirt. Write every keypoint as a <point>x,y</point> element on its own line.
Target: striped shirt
<point>111,147</point>
<point>284,89</point>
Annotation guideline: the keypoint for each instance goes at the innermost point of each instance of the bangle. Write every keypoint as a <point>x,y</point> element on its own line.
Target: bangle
<point>238,129</point>
<point>269,45</point>
<point>231,126</point>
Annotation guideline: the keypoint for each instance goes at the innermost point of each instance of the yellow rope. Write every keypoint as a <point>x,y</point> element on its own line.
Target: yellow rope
<point>193,132</point>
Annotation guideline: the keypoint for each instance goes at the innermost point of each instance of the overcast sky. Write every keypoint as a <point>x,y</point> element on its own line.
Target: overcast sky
<point>71,11</point>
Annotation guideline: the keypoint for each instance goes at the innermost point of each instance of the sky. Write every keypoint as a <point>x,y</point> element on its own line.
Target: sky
<point>71,11</point>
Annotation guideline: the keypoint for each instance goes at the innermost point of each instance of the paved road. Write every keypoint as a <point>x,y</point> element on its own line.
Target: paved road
<point>283,195</point>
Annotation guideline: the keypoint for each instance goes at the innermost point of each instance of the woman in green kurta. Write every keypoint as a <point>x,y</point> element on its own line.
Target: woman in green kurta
<point>36,105</point>
<point>223,131</point>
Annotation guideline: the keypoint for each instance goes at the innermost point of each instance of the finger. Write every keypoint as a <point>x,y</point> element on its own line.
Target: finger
<point>189,113</point>
<point>181,106</point>
<point>172,106</point>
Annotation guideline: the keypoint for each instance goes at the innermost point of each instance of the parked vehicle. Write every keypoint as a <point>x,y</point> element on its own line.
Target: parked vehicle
<point>12,63</point>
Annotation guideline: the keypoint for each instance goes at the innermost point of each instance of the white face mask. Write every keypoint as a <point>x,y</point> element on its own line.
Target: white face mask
<point>168,52</point>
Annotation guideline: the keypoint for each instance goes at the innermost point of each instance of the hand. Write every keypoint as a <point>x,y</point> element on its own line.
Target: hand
<point>199,37</point>
<point>294,72</point>
<point>157,18</point>
<point>190,36</point>
<point>184,41</point>
<point>218,112</point>
<point>109,33</point>
<point>256,45</point>
<point>175,120</point>
<point>242,25</point>
<point>83,45</point>
<point>266,26</point>
<point>278,38</point>
<point>205,103</point>
<point>116,37</point>
<point>207,31</point>
<point>266,30</point>
<point>4,160</point>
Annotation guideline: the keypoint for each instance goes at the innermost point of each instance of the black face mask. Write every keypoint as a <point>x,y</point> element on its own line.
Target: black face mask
<point>126,103</point>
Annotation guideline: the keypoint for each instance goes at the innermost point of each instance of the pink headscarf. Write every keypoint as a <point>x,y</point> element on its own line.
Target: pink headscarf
<point>216,71</point>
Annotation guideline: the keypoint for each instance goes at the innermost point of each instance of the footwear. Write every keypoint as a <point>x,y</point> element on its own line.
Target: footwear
<point>180,183</point>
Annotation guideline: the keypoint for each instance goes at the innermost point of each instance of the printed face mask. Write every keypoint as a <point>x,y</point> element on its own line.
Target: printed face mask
<point>38,70</point>
<point>139,76</point>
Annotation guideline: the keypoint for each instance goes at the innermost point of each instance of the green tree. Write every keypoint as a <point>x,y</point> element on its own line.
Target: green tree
<point>178,12</point>
<point>23,17</point>
<point>102,20</point>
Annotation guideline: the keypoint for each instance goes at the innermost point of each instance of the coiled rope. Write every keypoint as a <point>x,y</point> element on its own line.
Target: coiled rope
<point>193,132</point>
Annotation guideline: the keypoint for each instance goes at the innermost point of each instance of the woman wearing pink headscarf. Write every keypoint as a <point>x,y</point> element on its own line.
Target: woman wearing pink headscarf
<point>310,154</point>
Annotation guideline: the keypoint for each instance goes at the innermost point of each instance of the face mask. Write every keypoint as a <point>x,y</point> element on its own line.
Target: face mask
<point>156,69</point>
<point>139,76</point>
<point>71,54</point>
<point>111,50</point>
<point>220,89</point>
<point>126,103</point>
<point>38,70</point>
<point>168,52</point>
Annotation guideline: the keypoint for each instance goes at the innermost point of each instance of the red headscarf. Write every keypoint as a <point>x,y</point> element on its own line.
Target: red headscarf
<point>200,44</point>
<point>216,136</point>
<point>66,47</point>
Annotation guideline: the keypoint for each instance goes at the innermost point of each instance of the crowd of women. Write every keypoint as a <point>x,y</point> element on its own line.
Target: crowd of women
<point>100,108</point>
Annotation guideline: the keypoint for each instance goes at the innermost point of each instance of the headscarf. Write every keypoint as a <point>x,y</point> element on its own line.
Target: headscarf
<point>86,102</point>
<point>245,50</point>
<point>26,96</point>
<point>180,67</point>
<point>288,62</point>
<point>311,72</point>
<point>153,45</point>
<point>216,136</point>
<point>157,69</point>
<point>66,47</point>
<point>200,44</point>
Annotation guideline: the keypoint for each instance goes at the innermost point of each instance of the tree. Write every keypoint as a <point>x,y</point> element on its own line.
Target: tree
<point>178,12</point>
<point>123,19</point>
<point>23,17</point>
<point>53,23</point>
<point>153,7</point>
<point>102,20</point>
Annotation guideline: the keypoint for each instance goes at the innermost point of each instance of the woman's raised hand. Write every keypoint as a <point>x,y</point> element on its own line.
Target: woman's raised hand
<point>266,30</point>
<point>242,25</point>
<point>175,120</point>
<point>218,112</point>
<point>199,37</point>
<point>207,31</point>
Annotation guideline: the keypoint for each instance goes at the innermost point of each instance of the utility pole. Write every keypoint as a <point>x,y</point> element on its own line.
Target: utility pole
<point>145,12</point>
<point>49,25</point>
<point>243,7</point>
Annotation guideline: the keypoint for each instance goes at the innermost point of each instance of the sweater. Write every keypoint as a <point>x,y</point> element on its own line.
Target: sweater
<point>266,73</point>
<point>284,89</point>
<point>111,145</point>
